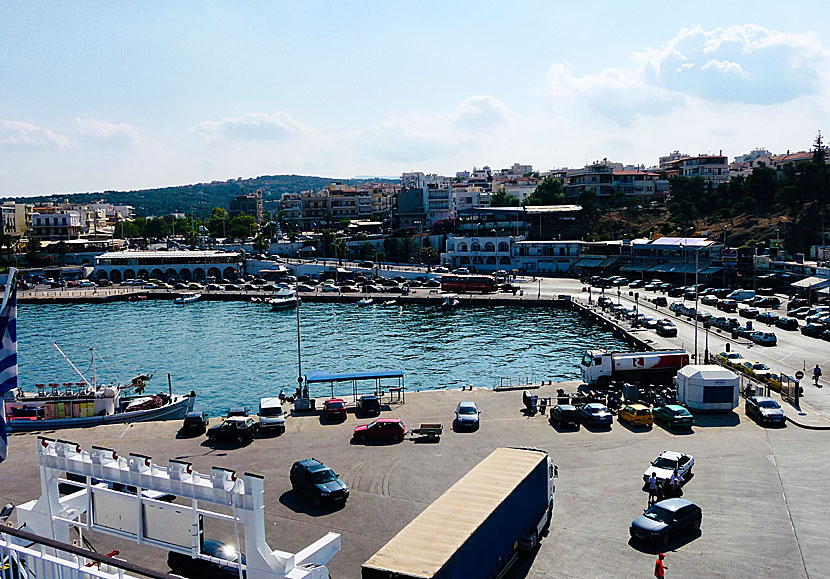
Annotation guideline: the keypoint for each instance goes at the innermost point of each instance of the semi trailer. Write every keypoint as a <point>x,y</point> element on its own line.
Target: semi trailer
<point>479,526</point>
<point>601,367</point>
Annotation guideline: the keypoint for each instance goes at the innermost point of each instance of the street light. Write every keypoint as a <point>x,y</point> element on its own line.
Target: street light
<point>636,308</point>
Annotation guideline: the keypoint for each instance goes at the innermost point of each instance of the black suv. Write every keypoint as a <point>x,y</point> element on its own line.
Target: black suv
<point>195,423</point>
<point>565,415</point>
<point>368,406</point>
<point>317,481</point>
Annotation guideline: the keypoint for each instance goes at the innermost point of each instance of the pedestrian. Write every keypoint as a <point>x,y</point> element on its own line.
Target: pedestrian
<point>676,482</point>
<point>659,567</point>
<point>816,375</point>
<point>652,488</point>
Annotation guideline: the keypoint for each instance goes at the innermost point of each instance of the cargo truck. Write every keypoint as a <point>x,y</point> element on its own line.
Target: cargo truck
<point>478,527</point>
<point>601,367</point>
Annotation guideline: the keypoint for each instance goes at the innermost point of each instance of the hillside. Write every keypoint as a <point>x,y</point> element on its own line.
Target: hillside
<point>199,198</point>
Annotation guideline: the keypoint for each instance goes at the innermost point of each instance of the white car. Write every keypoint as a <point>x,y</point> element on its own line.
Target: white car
<point>663,466</point>
<point>271,416</point>
<point>86,283</point>
<point>329,287</point>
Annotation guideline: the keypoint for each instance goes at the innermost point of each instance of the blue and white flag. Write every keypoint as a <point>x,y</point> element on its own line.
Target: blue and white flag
<point>8,353</point>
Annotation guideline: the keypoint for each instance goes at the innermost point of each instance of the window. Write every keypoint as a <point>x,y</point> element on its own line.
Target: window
<point>503,247</point>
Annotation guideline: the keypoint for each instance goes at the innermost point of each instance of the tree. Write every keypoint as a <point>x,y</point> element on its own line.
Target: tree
<point>218,222</point>
<point>588,200</point>
<point>366,251</point>
<point>819,154</point>
<point>408,248</point>
<point>502,199</point>
<point>157,228</point>
<point>33,254</point>
<point>261,243</point>
<point>548,192</point>
<point>391,249</point>
<point>61,248</point>
<point>241,227</point>
<point>430,256</point>
<point>7,242</point>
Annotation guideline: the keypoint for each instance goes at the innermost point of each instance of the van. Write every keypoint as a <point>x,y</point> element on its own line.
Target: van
<point>741,295</point>
<point>271,416</point>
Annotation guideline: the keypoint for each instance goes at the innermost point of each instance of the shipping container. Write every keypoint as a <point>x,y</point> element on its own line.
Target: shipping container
<point>475,529</point>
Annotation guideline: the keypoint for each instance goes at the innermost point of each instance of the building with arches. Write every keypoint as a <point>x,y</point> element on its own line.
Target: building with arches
<point>118,266</point>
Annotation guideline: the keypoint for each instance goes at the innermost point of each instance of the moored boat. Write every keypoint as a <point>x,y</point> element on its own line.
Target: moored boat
<point>365,302</point>
<point>187,298</point>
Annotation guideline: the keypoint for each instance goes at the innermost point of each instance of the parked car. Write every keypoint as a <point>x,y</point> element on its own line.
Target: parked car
<point>636,415</point>
<point>786,323</point>
<point>381,429</point>
<point>186,566</point>
<point>673,416</point>
<point>664,466</point>
<point>314,479</point>
<point>467,415</point>
<point>797,303</point>
<point>271,415</point>
<point>565,416</point>
<point>813,330</point>
<point>213,287</point>
<point>667,520</point>
<point>329,287</point>
<point>727,305</point>
<point>660,301</point>
<point>235,429</point>
<point>86,283</point>
<point>335,409</point>
<point>352,289</point>
<point>764,410</point>
<point>767,318</point>
<point>754,368</point>
<point>766,302</point>
<point>731,358</point>
<point>195,423</point>
<point>764,338</point>
<point>650,323</point>
<point>748,312</point>
<point>709,300</point>
<point>595,414</point>
<point>368,405</point>
<point>238,411</point>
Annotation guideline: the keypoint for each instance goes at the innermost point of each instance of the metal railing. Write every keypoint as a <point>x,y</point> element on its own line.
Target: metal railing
<point>24,555</point>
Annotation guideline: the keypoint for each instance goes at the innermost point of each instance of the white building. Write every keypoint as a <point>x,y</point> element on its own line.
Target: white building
<point>545,257</point>
<point>511,253</point>
<point>188,265</point>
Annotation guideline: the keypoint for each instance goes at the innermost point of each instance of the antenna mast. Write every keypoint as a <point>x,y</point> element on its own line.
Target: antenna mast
<point>65,357</point>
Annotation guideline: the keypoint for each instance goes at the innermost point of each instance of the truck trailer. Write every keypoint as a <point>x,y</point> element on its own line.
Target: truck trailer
<point>601,367</point>
<point>478,526</point>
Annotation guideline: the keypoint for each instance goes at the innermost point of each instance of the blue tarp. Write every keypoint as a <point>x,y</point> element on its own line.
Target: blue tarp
<point>316,376</point>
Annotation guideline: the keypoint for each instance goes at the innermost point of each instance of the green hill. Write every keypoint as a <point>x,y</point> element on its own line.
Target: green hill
<point>199,198</point>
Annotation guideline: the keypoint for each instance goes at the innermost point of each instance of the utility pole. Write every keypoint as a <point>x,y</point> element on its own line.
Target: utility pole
<point>697,291</point>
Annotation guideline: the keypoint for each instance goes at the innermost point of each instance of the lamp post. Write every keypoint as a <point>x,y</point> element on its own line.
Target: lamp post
<point>636,308</point>
<point>697,315</point>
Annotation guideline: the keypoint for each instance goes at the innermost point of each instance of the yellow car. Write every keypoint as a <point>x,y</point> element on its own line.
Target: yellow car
<point>755,369</point>
<point>730,358</point>
<point>636,415</point>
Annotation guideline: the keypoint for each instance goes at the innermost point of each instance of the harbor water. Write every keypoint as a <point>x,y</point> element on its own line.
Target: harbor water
<point>233,353</point>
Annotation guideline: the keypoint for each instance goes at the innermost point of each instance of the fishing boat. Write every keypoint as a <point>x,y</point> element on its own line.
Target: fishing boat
<point>86,403</point>
<point>187,298</point>
<point>365,302</point>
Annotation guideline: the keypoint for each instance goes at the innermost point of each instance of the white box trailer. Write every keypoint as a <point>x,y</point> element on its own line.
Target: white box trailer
<point>708,388</point>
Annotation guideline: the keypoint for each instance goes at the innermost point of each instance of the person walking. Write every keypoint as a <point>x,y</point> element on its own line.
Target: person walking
<point>659,567</point>
<point>816,375</point>
<point>652,488</point>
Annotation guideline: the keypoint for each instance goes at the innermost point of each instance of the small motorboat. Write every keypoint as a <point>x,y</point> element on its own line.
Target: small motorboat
<point>450,302</point>
<point>187,298</point>
<point>389,302</point>
<point>365,302</point>
<point>283,303</point>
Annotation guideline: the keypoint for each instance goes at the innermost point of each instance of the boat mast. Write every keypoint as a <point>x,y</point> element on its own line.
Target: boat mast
<point>94,370</point>
<point>299,358</point>
<point>65,357</point>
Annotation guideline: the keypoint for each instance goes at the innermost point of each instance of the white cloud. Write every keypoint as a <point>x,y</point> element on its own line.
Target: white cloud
<point>481,112</point>
<point>745,64</point>
<point>23,134</point>
<point>91,129</point>
<point>251,126</point>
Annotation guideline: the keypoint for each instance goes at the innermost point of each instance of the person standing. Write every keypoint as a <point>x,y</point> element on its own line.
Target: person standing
<point>816,375</point>
<point>659,567</point>
<point>652,488</point>
<point>676,482</point>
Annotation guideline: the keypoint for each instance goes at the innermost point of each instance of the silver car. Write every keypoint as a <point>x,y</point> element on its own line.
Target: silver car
<point>467,415</point>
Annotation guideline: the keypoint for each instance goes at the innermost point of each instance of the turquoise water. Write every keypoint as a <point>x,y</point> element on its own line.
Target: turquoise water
<point>232,353</point>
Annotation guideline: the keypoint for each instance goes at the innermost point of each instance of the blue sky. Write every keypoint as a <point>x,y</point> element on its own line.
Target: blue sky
<point>97,96</point>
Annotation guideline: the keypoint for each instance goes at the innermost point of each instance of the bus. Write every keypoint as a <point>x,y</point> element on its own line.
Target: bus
<point>468,283</point>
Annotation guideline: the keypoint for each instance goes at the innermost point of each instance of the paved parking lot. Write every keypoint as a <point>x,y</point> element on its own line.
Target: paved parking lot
<point>763,491</point>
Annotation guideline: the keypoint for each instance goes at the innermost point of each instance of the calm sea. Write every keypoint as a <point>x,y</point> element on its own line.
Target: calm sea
<point>232,353</point>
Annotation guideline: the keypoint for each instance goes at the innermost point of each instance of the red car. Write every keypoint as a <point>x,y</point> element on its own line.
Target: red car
<point>349,289</point>
<point>381,429</point>
<point>335,409</point>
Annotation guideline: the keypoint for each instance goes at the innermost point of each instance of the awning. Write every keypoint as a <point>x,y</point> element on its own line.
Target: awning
<point>711,270</point>
<point>609,261</point>
<point>673,268</point>
<point>316,376</point>
<point>635,267</point>
<point>588,262</point>
<point>813,283</point>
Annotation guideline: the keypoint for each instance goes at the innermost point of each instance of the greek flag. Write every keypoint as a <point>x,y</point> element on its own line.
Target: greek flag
<point>8,354</point>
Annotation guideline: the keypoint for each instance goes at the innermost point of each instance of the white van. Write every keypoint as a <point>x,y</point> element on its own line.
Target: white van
<point>741,295</point>
<point>271,416</point>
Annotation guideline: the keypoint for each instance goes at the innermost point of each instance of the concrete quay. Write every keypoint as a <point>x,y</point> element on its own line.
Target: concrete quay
<point>761,490</point>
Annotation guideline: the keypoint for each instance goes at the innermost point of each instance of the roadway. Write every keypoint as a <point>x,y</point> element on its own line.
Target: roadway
<point>794,351</point>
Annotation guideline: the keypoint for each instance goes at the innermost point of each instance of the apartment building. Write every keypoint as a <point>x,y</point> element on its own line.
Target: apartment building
<point>712,168</point>
<point>53,223</point>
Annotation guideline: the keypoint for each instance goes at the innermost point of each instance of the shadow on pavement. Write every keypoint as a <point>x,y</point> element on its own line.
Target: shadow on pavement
<point>672,545</point>
<point>717,419</point>
<point>300,504</point>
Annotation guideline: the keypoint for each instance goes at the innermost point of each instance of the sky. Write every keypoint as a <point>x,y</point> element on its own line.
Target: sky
<point>101,96</point>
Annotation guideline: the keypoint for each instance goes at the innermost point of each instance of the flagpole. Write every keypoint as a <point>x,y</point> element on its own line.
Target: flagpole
<point>3,433</point>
